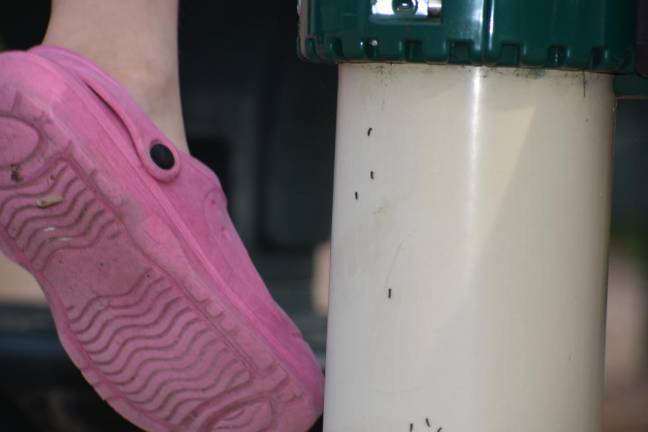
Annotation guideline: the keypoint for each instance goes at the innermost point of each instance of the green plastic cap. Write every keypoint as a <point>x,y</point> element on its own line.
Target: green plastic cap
<point>596,35</point>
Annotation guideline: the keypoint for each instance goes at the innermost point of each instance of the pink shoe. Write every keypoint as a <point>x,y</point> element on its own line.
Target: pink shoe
<point>154,296</point>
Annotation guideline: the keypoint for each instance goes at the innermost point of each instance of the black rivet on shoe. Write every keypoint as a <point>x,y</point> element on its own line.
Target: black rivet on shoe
<point>162,156</point>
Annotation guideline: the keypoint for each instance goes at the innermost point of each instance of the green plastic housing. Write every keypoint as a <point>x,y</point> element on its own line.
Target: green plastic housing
<point>596,35</point>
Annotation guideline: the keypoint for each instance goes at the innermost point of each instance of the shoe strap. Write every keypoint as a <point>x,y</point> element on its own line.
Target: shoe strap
<point>143,133</point>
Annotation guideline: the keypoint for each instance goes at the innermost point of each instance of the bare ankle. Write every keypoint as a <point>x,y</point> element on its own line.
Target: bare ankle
<point>146,65</point>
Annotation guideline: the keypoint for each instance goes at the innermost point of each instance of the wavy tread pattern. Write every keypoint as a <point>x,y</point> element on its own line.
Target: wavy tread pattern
<point>183,363</point>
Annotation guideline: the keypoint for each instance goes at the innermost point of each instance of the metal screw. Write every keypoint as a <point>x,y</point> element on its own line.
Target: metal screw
<point>434,8</point>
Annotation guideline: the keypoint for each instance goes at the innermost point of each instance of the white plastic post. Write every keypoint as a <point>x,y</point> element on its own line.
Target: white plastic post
<point>469,256</point>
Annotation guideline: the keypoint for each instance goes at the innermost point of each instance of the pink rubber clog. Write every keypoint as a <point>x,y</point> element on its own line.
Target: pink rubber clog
<point>154,296</point>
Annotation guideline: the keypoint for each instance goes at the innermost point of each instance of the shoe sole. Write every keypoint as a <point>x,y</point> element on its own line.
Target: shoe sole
<point>163,350</point>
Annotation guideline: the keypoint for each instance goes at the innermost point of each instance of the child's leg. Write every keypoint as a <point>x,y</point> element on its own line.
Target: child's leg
<point>152,292</point>
<point>135,41</point>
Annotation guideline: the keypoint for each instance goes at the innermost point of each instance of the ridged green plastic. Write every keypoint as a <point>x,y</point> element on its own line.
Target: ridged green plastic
<point>595,35</point>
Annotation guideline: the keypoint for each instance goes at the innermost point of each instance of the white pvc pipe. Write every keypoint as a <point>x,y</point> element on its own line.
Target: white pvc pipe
<point>470,236</point>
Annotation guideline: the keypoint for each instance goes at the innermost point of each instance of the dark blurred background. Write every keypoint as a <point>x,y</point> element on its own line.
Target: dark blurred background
<point>265,122</point>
